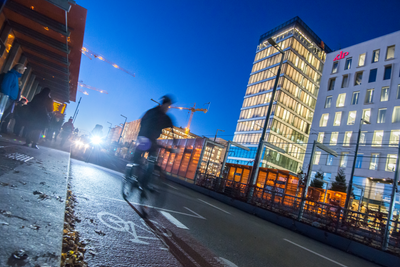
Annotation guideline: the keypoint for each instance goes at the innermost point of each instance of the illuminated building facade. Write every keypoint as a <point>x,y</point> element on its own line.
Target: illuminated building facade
<point>178,133</point>
<point>131,131</point>
<point>360,82</point>
<point>295,100</point>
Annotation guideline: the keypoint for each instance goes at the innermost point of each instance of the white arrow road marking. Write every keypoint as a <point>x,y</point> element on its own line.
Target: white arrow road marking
<point>309,250</point>
<point>213,206</point>
<point>173,220</point>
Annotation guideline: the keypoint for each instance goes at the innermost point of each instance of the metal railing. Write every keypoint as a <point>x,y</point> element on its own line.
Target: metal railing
<point>365,227</point>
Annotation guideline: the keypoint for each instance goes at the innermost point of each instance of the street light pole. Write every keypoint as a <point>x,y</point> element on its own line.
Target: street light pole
<point>215,138</point>
<point>349,189</point>
<point>261,143</point>
<point>123,127</point>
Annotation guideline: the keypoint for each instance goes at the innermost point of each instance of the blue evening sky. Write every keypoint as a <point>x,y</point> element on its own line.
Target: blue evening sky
<point>200,51</point>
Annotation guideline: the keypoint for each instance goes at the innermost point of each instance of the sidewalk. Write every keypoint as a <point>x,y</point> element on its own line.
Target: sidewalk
<point>32,203</point>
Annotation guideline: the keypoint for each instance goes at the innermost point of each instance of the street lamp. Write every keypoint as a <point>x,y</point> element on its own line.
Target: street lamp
<point>215,138</point>
<point>261,143</point>
<point>123,127</point>
<point>349,189</point>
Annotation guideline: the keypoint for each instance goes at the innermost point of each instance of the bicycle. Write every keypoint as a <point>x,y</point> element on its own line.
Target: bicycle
<point>144,183</point>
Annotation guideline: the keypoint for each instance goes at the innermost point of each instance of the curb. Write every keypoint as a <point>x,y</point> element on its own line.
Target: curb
<point>331,239</point>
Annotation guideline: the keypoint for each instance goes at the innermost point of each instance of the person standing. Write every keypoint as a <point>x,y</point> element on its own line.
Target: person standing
<point>39,109</point>
<point>9,86</point>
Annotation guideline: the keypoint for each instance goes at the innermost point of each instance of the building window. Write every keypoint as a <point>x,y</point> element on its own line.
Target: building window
<point>338,118</point>
<point>343,159</point>
<point>331,85</point>
<point>372,75</point>
<point>375,56</point>
<point>373,165</point>
<point>361,60</point>
<point>324,120</point>
<point>347,66</point>
<point>391,162</point>
<point>354,99</point>
<point>334,137</point>
<point>398,92</point>
<point>385,94</point>
<point>346,139</point>
<point>369,97</point>
<point>329,160</point>
<point>390,52</point>
<point>328,102</point>
<point>320,138</point>
<point>358,78</point>
<point>359,161</point>
<point>381,115</point>
<point>377,139</point>
<point>394,138</point>
<point>363,138</point>
<point>335,66</point>
<point>317,157</point>
<point>396,114</point>
<point>366,114</point>
<point>345,81</point>
<point>388,72</point>
<point>351,119</point>
<point>340,100</point>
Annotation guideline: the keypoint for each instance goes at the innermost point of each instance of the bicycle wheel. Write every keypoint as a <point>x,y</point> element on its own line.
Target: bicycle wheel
<point>129,182</point>
<point>153,196</point>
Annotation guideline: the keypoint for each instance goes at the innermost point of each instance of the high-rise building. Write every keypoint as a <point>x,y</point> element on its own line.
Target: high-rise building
<point>295,99</point>
<point>360,82</point>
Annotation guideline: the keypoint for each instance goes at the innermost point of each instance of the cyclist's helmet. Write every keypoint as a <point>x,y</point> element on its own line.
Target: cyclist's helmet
<point>167,99</point>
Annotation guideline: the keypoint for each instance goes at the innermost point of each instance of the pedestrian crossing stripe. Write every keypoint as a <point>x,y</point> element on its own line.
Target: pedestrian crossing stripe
<point>19,157</point>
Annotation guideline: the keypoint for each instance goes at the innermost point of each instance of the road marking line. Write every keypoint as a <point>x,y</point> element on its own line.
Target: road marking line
<point>173,220</point>
<point>213,206</point>
<point>173,211</point>
<point>309,250</point>
<point>198,215</point>
<point>171,186</point>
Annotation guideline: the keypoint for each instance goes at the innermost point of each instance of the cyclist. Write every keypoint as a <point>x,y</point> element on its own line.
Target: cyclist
<point>151,126</point>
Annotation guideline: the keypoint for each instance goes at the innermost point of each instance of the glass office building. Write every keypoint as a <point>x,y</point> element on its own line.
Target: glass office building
<point>293,108</point>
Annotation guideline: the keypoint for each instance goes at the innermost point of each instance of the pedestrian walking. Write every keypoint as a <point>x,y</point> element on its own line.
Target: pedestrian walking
<point>38,118</point>
<point>10,92</point>
<point>67,130</point>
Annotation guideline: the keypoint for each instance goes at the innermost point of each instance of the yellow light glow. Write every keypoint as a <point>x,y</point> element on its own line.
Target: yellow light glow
<point>100,57</point>
<point>69,39</point>
<point>115,66</point>
<point>32,7</point>
<point>46,28</point>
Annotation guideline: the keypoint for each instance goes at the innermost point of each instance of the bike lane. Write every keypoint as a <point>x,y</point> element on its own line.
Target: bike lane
<point>115,233</point>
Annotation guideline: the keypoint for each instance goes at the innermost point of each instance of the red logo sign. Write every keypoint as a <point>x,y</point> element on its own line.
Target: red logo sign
<point>341,55</point>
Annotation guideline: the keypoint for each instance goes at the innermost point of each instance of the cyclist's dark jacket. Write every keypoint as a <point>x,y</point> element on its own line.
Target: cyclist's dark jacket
<point>152,123</point>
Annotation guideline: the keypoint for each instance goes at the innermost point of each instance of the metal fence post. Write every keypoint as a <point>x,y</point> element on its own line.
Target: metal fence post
<point>304,195</point>
<point>386,237</point>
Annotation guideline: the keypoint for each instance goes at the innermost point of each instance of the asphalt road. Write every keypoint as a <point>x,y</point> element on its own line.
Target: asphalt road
<point>192,230</point>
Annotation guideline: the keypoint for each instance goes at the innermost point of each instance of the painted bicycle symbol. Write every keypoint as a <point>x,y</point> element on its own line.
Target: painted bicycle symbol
<point>114,222</point>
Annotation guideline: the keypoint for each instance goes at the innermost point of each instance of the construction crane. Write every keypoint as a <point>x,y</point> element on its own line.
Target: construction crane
<point>87,52</point>
<point>83,91</point>
<point>81,84</point>
<point>192,110</point>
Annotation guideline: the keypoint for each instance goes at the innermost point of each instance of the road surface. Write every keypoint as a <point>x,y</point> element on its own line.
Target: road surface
<point>192,230</point>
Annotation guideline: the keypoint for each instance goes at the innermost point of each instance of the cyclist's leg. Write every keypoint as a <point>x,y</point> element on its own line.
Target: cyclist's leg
<point>151,162</point>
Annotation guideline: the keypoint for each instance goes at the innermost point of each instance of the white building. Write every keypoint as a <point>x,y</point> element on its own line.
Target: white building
<point>360,81</point>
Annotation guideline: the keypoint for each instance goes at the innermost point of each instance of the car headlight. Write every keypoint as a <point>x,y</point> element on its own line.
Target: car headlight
<point>96,140</point>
